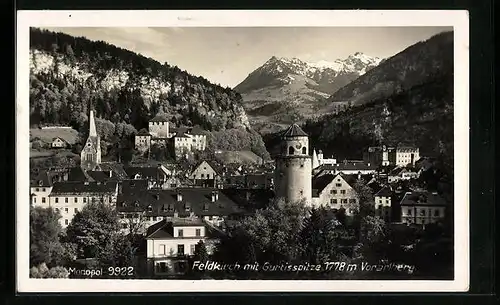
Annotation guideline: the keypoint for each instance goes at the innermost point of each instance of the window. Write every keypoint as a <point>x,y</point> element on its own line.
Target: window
<point>84,199</point>
<point>34,199</point>
<point>291,151</point>
<point>192,248</point>
<point>43,199</point>
<point>422,212</point>
<point>76,210</point>
<point>161,267</point>
<point>66,210</point>
<point>37,190</point>
<point>180,249</point>
<point>334,192</point>
<point>304,151</point>
<point>338,184</point>
<point>76,199</point>
<point>344,201</point>
<point>181,233</point>
<point>202,175</point>
<point>43,189</point>
<point>198,232</point>
<point>57,210</point>
<point>409,212</point>
<point>124,226</point>
<point>342,191</point>
<point>333,201</point>
<point>66,199</point>
<point>436,213</point>
<point>57,200</point>
<point>162,250</point>
<point>352,200</point>
<point>66,222</point>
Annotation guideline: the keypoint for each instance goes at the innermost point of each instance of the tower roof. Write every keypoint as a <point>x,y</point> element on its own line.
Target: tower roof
<point>92,129</point>
<point>294,131</point>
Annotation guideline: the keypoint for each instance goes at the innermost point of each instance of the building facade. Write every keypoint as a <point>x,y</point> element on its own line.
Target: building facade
<point>294,167</point>
<point>170,243</point>
<point>68,198</point>
<point>422,208</point>
<point>383,204</point>
<point>336,192</point>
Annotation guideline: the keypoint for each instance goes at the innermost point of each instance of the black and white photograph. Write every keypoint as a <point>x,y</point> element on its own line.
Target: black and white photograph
<point>242,151</point>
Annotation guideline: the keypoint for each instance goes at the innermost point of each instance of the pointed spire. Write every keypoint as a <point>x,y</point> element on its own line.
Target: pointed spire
<point>92,130</point>
<point>315,162</point>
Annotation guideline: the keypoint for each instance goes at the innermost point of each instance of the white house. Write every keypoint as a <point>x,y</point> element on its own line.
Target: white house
<point>59,143</point>
<point>169,243</point>
<point>422,207</point>
<point>336,192</point>
<point>70,197</point>
<point>383,203</point>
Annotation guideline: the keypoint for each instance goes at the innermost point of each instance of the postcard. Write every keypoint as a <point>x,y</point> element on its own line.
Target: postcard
<point>242,151</point>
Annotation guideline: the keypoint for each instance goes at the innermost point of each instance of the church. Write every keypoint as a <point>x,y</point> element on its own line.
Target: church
<point>90,157</point>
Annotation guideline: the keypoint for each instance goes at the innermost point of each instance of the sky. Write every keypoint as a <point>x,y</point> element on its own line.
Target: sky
<point>226,55</point>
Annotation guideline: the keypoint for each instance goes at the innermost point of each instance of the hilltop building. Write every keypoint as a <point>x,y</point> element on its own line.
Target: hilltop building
<point>293,171</point>
<point>90,157</point>
<point>399,156</point>
<point>183,140</point>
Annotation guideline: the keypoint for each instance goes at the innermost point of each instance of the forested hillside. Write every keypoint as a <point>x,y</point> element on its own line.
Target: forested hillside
<point>421,116</point>
<point>70,74</point>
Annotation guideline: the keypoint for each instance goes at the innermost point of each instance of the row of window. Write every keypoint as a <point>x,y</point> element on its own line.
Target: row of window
<point>162,249</point>
<point>335,201</point>
<point>66,210</point>
<point>38,189</point>
<point>437,213</point>
<point>75,199</point>
<point>335,191</point>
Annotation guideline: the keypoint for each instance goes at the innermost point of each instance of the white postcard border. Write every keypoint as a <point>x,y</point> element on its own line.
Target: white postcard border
<point>459,20</point>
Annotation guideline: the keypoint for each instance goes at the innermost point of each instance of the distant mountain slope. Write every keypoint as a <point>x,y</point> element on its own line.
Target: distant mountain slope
<point>410,67</point>
<point>67,74</point>
<point>293,87</point>
<point>421,116</point>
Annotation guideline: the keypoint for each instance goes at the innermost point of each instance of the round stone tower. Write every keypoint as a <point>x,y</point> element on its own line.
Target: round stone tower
<point>293,166</point>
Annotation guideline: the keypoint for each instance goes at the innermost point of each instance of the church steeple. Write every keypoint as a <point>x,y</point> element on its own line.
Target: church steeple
<point>315,162</point>
<point>92,129</point>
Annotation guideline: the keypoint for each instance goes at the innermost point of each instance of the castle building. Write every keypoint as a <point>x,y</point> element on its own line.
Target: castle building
<point>183,139</point>
<point>293,172</point>
<point>90,157</point>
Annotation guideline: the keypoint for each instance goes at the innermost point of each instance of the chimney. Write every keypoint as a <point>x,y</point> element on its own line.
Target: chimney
<point>179,196</point>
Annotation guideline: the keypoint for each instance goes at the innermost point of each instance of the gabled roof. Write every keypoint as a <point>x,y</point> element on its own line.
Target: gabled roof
<point>165,229</point>
<point>422,198</point>
<point>76,174</point>
<point>213,165</point>
<point>143,132</point>
<point>320,182</point>
<point>152,172</point>
<point>384,192</point>
<point>100,175</point>
<point>294,131</point>
<point>60,138</point>
<point>67,187</point>
<point>164,202</point>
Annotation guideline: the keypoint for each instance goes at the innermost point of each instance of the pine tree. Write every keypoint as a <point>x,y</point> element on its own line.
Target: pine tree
<point>318,237</point>
<point>200,252</point>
